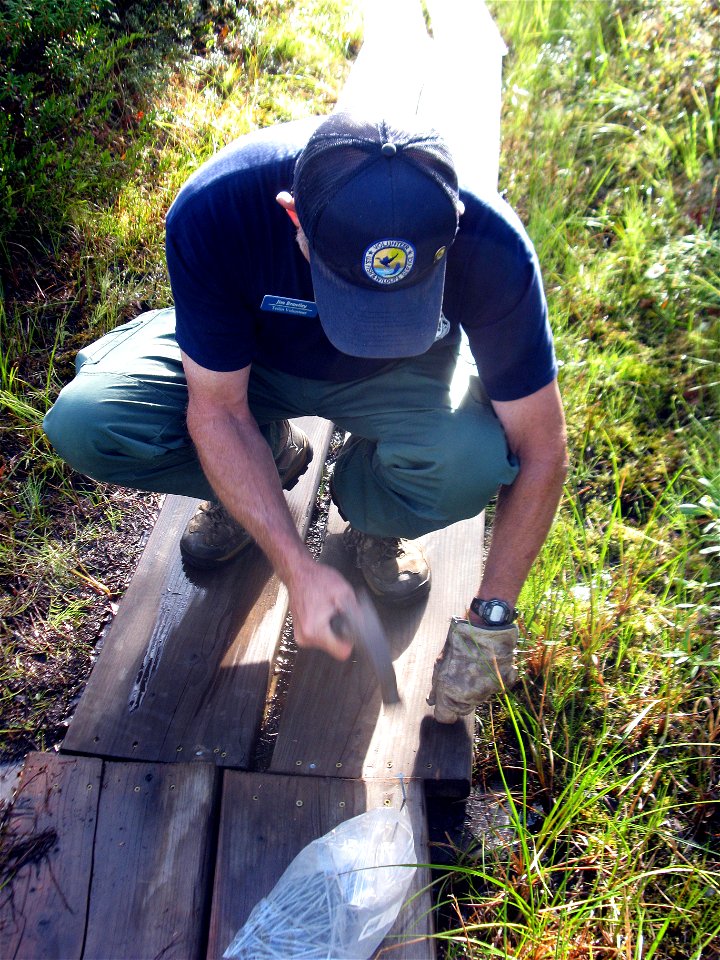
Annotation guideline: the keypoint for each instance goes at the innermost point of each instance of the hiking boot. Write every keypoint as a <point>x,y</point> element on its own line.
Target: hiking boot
<point>394,569</point>
<point>293,454</point>
<point>212,537</point>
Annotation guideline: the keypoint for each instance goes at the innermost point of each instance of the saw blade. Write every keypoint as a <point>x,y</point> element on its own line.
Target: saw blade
<point>368,633</point>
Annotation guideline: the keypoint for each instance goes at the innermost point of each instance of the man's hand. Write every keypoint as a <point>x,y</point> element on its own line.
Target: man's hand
<point>318,592</point>
<point>475,664</point>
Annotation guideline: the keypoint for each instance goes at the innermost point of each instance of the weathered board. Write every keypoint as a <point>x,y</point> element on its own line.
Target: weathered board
<point>47,852</point>
<point>184,670</point>
<point>334,723</point>
<point>267,819</point>
<point>152,867</point>
<point>395,43</point>
<point>114,860</point>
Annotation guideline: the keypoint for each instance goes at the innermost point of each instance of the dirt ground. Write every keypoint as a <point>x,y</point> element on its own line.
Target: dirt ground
<point>52,638</point>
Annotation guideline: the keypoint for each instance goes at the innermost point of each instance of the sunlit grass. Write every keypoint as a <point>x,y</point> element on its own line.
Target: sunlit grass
<point>604,874</point>
<point>607,754</point>
<point>609,152</point>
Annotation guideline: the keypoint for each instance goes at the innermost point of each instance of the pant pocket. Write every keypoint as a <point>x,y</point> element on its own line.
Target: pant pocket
<point>95,352</point>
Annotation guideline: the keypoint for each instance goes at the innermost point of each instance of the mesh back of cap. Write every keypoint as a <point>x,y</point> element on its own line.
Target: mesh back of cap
<point>343,145</point>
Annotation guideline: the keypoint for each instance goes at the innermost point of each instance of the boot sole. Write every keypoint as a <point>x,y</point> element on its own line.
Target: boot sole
<point>389,600</point>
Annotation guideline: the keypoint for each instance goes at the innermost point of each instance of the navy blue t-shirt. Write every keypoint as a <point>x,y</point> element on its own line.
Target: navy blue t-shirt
<point>237,275</point>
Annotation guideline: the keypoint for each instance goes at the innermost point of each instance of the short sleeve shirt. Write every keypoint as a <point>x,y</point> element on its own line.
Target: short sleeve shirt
<point>243,291</point>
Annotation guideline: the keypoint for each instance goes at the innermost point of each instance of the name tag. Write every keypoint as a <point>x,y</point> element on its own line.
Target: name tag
<point>298,308</point>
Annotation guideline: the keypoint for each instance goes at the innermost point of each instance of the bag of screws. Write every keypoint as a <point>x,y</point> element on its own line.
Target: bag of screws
<point>338,898</point>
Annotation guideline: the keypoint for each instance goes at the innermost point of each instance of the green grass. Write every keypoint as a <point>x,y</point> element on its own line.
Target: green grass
<point>610,154</point>
<point>607,754</point>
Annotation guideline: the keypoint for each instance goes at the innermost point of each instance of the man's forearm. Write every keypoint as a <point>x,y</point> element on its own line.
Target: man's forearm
<point>240,467</point>
<point>523,517</point>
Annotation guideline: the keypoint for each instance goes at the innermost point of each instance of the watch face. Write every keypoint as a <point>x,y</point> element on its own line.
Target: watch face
<point>497,613</point>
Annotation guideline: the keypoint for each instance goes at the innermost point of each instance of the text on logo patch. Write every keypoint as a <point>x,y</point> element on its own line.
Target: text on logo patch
<point>388,261</point>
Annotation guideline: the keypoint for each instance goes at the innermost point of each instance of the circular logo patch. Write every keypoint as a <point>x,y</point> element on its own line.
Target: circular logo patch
<point>387,261</point>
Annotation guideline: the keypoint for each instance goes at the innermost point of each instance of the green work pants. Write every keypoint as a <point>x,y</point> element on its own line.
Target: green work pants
<point>415,463</point>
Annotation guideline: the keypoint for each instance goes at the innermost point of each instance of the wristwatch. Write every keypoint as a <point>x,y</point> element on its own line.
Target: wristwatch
<point>494,613</point>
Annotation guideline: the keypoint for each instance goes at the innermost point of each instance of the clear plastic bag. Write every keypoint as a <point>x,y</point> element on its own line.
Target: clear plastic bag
<point>338,898</point>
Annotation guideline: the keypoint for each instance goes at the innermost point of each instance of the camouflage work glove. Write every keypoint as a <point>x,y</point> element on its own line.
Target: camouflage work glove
<point>475,664</point>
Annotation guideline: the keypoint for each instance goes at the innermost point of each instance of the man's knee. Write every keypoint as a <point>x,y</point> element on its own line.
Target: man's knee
<point>73,427</point>
<point>475,465</point>
<point>107,427</point>
<point>455,468</point>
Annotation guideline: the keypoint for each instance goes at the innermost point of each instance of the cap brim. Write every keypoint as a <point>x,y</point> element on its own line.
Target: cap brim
<point>379,323</point>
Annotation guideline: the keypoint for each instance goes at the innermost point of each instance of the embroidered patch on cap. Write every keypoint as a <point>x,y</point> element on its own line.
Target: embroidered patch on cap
<point>387,261</point>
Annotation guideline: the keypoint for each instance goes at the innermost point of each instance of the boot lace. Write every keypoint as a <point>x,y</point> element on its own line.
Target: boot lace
<point>215,514</point>
<point>381,548</point>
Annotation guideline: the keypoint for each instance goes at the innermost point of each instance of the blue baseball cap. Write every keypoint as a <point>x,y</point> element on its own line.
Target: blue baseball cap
<point>380,208</point>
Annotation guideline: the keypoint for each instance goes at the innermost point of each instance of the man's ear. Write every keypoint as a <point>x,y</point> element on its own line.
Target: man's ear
<point>287,202</point>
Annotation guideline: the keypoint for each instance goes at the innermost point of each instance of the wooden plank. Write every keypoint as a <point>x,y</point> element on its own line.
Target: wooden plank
<point>266,820</point>
<point>152,867</point>
<point>48,851</point>
<point>115,860</point>
<point>334,724</point>
<point>184,670</point>
<point>467,52</point>
<point>395,43</point>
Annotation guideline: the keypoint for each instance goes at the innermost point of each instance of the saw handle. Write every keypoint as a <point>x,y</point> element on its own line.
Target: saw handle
<point>340,626</point>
